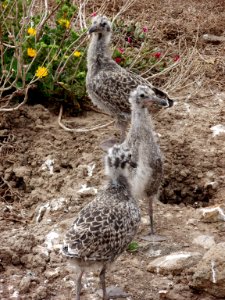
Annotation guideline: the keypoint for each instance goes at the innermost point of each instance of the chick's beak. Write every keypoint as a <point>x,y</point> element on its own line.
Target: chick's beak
<point>156,100</point>
<point>92,29</point>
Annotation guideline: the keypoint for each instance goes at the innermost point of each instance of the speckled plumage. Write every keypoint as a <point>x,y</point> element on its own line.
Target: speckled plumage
<point>144,148</point>
<point>108,84</point>
<point>104,228</point>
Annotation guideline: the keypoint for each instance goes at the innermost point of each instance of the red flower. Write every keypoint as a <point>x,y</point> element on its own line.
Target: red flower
<point>94,14</point>
<point>145,29</point>
<point>118,60</point>
<point>157,55</point>
<point>121,50</point>
<point>129,40</point>
<point>176,57</point>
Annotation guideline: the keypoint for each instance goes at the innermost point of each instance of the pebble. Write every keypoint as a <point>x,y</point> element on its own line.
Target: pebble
<point>211,214</point>
<point>174,263</point>
<point>40,293</point>
<point>209,275</point>
<point>52,274</point>
<point>206,241</point>
<point>25,284</point>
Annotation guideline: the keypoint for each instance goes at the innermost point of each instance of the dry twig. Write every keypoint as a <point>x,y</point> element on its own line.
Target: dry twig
<point>80,129</point>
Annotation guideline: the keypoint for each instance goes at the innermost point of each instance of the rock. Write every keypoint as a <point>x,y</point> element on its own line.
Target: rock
<point>40,293</point>
<point>22,243</point>
<point>52,274</point>
<point>212,214</point>
<point>210,275</point>
<point>6,256</point>
<point>33,261</point>
<point>193,222</point>
<point>174,263</point>
<point>114,292</point>
<point>25,284</point>
<point>206,241</point>
<point>26,259</point>
<point>22,171</point>
<point>8,174</point>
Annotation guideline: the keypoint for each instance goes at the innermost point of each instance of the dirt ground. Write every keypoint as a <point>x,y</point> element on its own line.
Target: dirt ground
<point>48,175</point>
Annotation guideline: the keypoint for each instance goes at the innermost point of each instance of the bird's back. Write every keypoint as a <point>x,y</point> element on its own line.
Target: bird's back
<point>105,227</point>
<point>109,88</point>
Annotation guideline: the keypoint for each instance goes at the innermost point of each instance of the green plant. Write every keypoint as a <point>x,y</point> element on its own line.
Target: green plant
<point>138,52</point>
<point>42,49</point>
<point>133,247</point>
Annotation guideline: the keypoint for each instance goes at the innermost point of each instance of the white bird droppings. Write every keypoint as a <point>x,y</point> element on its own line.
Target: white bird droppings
<point>50,240</point>
<point>84,189</point>
<point>48,165</point>
<point>57,204</point>
<point>41,212</point>
<point>213,271</point>
<point>90,169</point>
<point>218,129</point>
<point>15,295</point>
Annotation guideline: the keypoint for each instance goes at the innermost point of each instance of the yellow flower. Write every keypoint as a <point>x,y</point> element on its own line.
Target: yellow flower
<point>64,22</point>
<point>31,52</point>
<point>4,5</point>
<point>31,31</point>
<point>77,54</point>
<point>41,72</point>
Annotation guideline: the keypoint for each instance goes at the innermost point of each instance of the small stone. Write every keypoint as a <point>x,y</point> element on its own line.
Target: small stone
<point>193,222</point>
<point>52,274</point>
<point>114,292</point>
<point>211,214</point>
<point>40,293</point>
<point>206,241</point>
<point>209,275</point>
<point>25,284</point>
<point>174,263</point>
<point>22,171</point>
<point>8,173</point>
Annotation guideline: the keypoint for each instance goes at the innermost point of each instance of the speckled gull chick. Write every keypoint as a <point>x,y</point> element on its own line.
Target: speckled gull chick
<point>142,143</point>
<point>104,228</point>
<point>108,84</point>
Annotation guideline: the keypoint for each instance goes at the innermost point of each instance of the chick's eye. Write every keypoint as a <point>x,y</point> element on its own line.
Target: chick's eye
<point>103,24</point>
<point>142,95</point>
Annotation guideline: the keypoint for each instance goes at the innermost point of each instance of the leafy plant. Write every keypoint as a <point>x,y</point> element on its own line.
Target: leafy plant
<point>133,247</point>
<point>138,52</point>
<point>41,48</point>
<point>45,48</point>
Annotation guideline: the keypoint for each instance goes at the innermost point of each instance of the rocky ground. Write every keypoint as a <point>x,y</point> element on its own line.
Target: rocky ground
<point>47,175</point>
